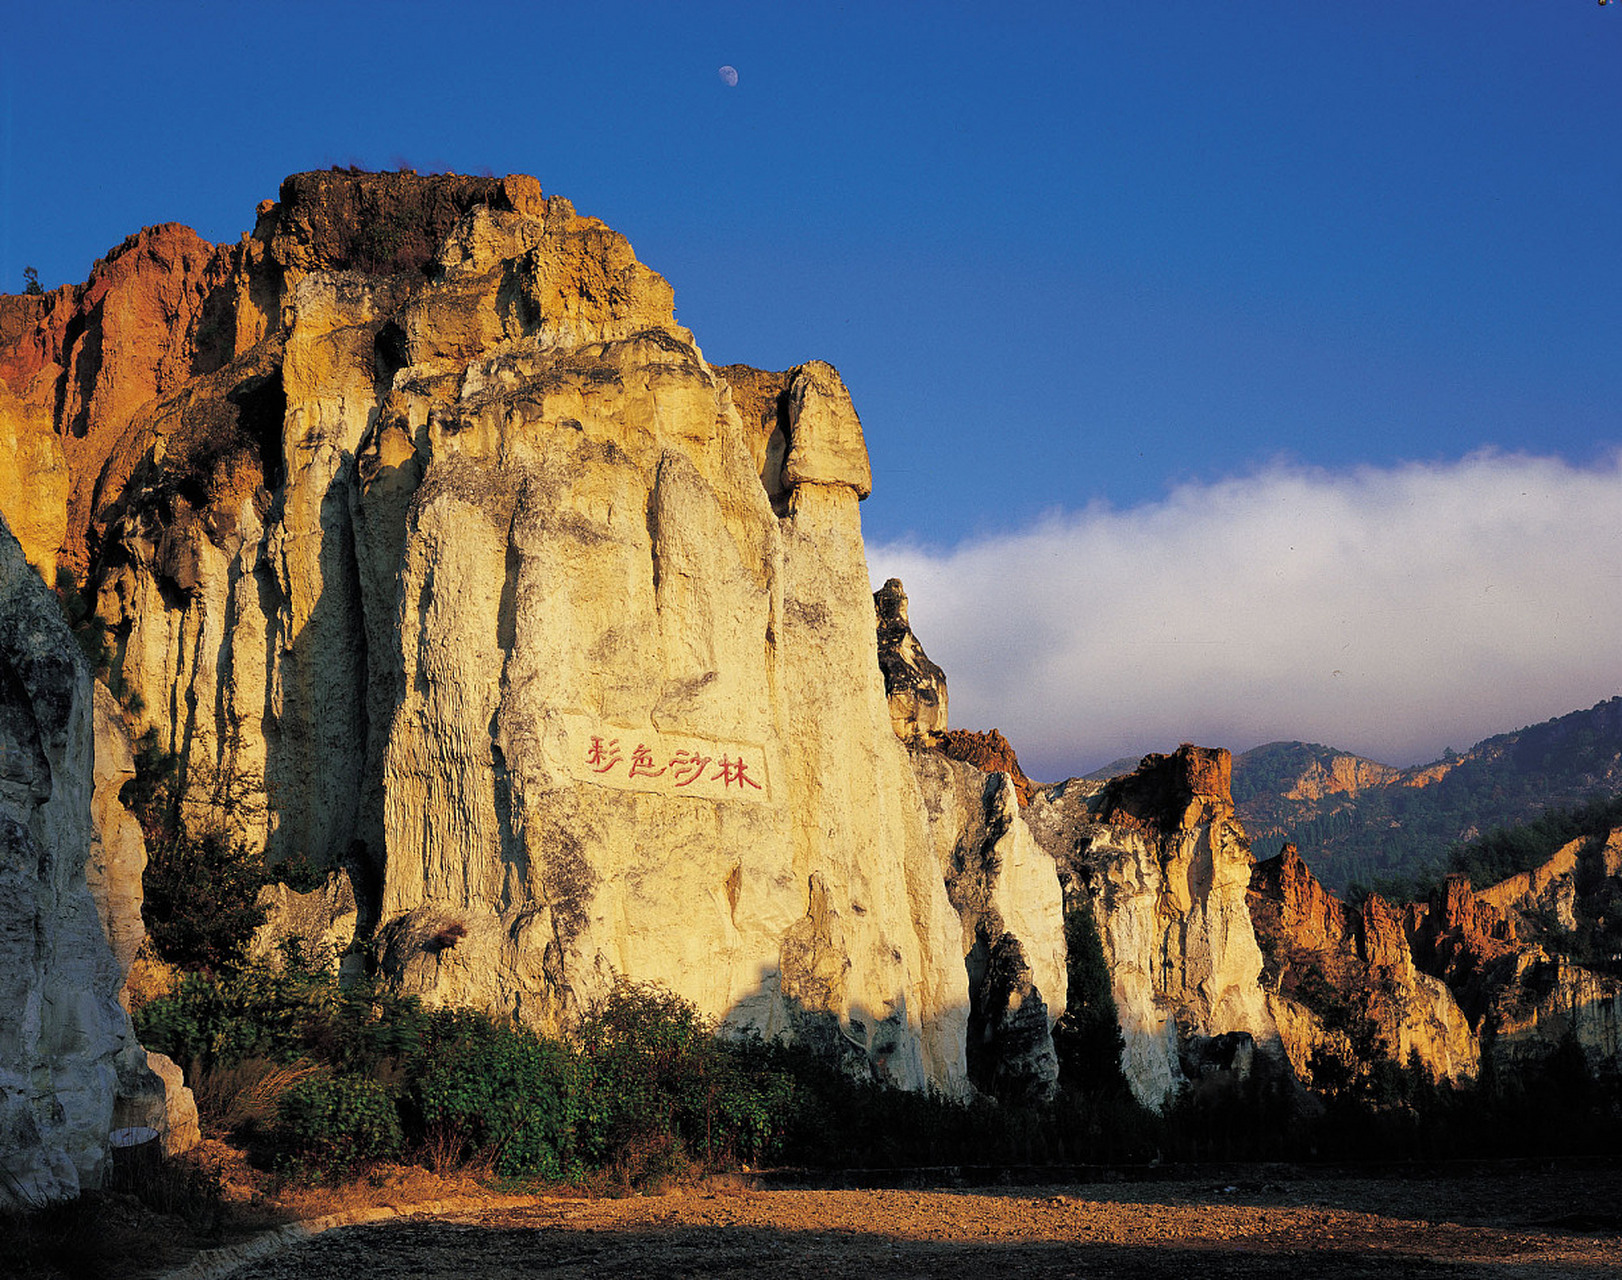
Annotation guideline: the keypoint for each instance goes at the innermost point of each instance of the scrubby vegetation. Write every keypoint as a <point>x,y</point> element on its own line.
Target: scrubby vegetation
<point>322,1079</point>
<point>200,889</point>
<point>319,1081</point>
<point>211,871</point>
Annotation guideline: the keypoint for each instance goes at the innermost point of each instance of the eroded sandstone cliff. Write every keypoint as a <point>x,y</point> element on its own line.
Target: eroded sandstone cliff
<point>1343,985</point>
<point>61,1027</point>
<point>437,553</point>
<point>439,556</point>
<point>1163,868</point>
<point>1441,983</point>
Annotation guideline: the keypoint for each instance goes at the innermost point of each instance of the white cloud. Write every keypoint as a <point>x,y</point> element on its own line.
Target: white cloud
<point>1390,612</point>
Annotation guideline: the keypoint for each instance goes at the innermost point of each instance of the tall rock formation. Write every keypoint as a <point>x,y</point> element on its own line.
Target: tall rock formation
<point>436,551</point>
<point>1159,862</point>
<point>61,1027</point>
<point>1003,886</point>
<point>151,1092</point>
<point>1533,958</point>
<point>439,556</point>
<point>1343,985</point>
<point>915,686</point>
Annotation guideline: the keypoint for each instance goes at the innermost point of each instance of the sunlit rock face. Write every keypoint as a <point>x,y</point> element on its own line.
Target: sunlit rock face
<point>1322,956</point>
<point>640,730</point>
<point>1514,953</point>
<point>440,556</point>
<point>33,481</point>
<point>1002,885</point>
<point>1164,867</point>
<point>1004,888</point>
<point>61,1026</point>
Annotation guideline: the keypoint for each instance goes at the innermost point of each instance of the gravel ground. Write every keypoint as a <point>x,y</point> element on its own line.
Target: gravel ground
<point>1503,1225</point>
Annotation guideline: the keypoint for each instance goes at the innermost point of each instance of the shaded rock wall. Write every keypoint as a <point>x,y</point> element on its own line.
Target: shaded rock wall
<point>1005,890</point>
<point>61,1026</point>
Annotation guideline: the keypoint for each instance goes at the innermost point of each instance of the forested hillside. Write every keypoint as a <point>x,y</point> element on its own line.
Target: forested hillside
<point>1355,820</point>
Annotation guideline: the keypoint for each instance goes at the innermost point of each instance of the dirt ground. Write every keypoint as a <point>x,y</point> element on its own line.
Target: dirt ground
<point>1501,1223</point>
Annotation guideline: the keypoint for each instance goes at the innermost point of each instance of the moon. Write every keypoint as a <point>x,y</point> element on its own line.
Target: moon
<point>729,76</point>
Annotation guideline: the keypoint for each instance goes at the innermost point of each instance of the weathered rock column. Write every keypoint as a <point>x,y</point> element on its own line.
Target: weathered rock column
<point>61,1026</point>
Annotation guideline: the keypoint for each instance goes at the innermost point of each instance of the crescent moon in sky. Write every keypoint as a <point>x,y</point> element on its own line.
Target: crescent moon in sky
<point>729,76</point>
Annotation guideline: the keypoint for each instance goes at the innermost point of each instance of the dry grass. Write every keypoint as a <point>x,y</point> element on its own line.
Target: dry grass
<point>243,1096</point>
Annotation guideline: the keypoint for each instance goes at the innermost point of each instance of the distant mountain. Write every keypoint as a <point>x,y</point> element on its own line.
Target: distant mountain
<point>1354,819</point>
<point>1114,769</point>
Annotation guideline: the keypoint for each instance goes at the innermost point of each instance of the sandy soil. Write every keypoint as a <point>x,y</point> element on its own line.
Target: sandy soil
<point>1501,1224</point>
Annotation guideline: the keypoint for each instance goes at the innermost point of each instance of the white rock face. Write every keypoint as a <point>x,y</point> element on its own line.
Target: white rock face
<point>151,1090</point>
<point>322,919</point>
<point>574,672</point>
<point>1560,999</point>
<point>655,744</point>
<point>61,1026</point>
<point>117,847</point>
<point>524,643</point>
<point>1005,889</point>
<point>1175,928</point>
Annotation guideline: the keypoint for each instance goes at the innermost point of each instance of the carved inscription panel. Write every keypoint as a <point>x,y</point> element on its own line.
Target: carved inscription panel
<point>673,764</point>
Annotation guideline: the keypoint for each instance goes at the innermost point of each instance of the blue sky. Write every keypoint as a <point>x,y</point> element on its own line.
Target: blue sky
<point>1087,267</point>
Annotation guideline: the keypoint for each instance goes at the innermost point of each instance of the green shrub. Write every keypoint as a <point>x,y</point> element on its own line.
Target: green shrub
<point>332,1123</point>
<point>149,795</point>
<point>201,907</point>
<point>657,1085</point>
<point>283,1015</point>
<point>487,1091</point>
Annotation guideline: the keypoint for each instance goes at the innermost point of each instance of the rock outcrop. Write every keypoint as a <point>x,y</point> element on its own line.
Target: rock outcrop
<point>1163,868</point>
<point>989,751</point>
<point>437,552</point>
<point>61,1026</point>
<point>150,1092</point>
<point>1005,890</point>
<point>33,482</point>
<point>1343,985</point>
<point>915,686</point>
<point>1442,983</point>
<point>916,689</point>
<point>1505,952</point>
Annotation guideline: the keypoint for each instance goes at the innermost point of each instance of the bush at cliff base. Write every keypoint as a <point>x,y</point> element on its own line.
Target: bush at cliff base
<point>280,1014</point>
<point>658,1088</point>
<point>337,1123</point>
<point>488,1092</point>
<point>647,1090</point>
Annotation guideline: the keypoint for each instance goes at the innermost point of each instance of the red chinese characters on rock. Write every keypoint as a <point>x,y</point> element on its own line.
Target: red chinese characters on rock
<point>642,763</point>
<point>688,767</point>
<point>733,772</point>
<point>601,757</point>
<point>685,768</point>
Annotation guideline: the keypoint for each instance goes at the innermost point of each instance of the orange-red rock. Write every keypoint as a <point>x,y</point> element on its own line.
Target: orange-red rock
<point>989,751</point>
<point>1172,793</point>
